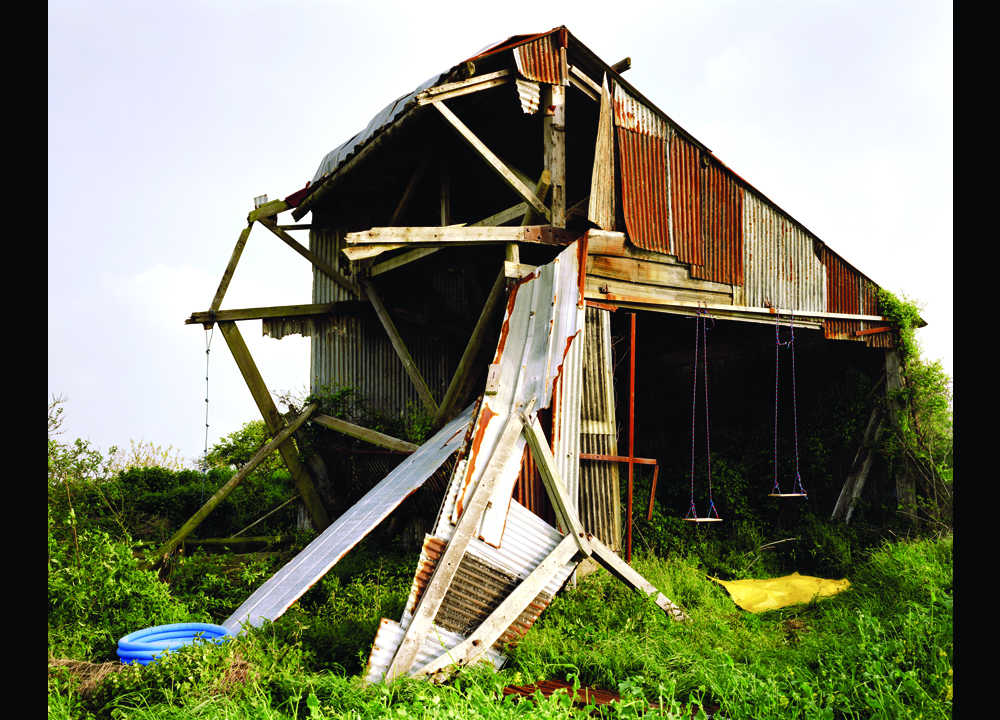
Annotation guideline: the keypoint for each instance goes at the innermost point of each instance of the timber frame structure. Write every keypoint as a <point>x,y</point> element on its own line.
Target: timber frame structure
<point>536,166</point>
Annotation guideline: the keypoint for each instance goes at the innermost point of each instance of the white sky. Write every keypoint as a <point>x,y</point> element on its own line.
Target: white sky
<point>167,119</point>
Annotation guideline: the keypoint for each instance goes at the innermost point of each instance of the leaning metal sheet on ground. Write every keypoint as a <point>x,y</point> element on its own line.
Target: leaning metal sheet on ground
<point>507,543</point>
<point>289,584</point>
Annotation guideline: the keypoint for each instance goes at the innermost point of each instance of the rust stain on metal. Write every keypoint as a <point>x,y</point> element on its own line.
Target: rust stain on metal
<point>484,420</point>
<point>685,200</point>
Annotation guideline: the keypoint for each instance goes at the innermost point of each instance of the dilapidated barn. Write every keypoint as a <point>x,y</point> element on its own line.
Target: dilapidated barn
<point>522,246</point>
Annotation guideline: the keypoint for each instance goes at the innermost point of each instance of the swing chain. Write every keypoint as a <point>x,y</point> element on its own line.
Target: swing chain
<point>701,328</point>
<point>798,489</point>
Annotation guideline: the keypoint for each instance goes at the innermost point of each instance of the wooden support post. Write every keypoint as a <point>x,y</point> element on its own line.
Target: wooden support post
<point>631,438</point>
<point>400,347</point>
<point>601,205</point>
<point>325,268</point>
<point>906,486</point>
<point>227,276</point>
<point>376,438</point>
<point>303,482</point>
<point>225,490</point>
<point>467,365</point>
<point>624,572</point>
<point>447,565</point>
<point>554,129</point>
<point>859,469</point>
<point>445,190</point>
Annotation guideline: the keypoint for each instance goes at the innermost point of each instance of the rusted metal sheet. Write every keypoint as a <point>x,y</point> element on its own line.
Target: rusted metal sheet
<point>721,227</point>
<point>849,291</point>
<point>643,140</point>
<point>685,200</point>
<point>286,586</point>
<point>780,266</point>
<point>540,60</point>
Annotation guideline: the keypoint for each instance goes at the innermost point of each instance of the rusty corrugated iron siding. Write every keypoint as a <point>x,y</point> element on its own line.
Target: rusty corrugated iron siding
<point>643,140</point>
<point>721,227</point>
<point>848,291</point>
<point>539,60</point>
<point>685,200</point>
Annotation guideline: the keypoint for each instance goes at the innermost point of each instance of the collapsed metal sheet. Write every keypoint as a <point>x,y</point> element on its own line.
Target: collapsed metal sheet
<point>289,584</point>
<point>543,320</point>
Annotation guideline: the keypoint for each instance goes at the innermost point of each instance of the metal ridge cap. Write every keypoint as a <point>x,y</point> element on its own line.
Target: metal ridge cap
<point>500,46</point>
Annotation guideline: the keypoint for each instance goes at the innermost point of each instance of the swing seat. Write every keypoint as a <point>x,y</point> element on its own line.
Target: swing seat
<point>787,495</point>
<point>704,519</point>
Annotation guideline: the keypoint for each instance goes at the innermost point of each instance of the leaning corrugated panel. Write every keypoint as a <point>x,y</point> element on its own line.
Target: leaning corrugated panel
<point>721,227</point>
<point>685,200</point>
<point>539,60</point>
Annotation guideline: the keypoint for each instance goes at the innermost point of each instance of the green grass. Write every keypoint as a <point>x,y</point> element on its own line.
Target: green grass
<point>882,649</point>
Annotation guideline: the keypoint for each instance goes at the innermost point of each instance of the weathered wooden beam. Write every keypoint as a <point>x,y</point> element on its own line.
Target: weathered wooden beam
<point>490,630</point>
<point>466,366</point>
<point>855,481</point>
<point>362,433</point>
<point>628,575</point>
<point>268,210</point>
<point>580,79</point>
<point>601,208</point>
<point>493,161</point>
<point>511,213</point>
<point>308,255</point>
<point>224,492</point>
<point>400,260</point>
<point>261,396</point>
<point>227,276</point>
<point>542,189</point>
<point>400,348</point>
<point>269,312</point>
<point>554,137</point>
<point>447,565</point>
<point>463,87</point>
<point>561,502</point>
<point>622,65</point>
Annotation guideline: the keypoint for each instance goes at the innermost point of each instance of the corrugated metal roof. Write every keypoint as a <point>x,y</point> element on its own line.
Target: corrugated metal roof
<point>286,586</point>
<point>539,60</point>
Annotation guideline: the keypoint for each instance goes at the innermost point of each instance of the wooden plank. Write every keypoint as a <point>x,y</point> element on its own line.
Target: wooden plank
<point>858,474</point>
<point>601,208</point>
<point>645,272</point>
<point>401,260</point>
<point>466,366</point>
<point>472,82</point>
<point>493,161</point>
<point>619,293</point>
<point>447,565</point>
<point>518,270</point>
<point>490,630</point>
<point>561,501</point>
<point>261,396</point>
<point>542,188</point>
<point>269,312</point>
<point>628,575</point>
<point>227,276</point>
<point>554,136</point>
<point>308,255</point>
<point>511,213</point>
<point>583,79</point>
<point>362,433</point>
<point>268,210</point>
<point>617,245</point>
<point>448,95</point>
<point>224,492</point>
<point>400,347</point>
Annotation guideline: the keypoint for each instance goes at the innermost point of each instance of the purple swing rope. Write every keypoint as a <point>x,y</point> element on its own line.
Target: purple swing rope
<point>700,317</point>
<point>795,412</point>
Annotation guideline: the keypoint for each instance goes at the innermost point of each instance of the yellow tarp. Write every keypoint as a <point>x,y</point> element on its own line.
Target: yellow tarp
<point>761,595</point>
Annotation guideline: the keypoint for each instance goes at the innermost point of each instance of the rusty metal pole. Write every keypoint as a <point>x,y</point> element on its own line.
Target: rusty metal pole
<point>631,439</point>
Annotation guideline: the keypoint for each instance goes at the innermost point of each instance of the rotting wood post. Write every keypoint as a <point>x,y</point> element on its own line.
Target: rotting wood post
<point>855,481</point>
<point>225,490</point>
<point>631,439</point>
<point>356,431</point>
<point>467,364</point>
<point>300,475</point>
<point>227,276</point>
<point>906,488</point>
<point>554,136</point>
<point>400,348</point>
